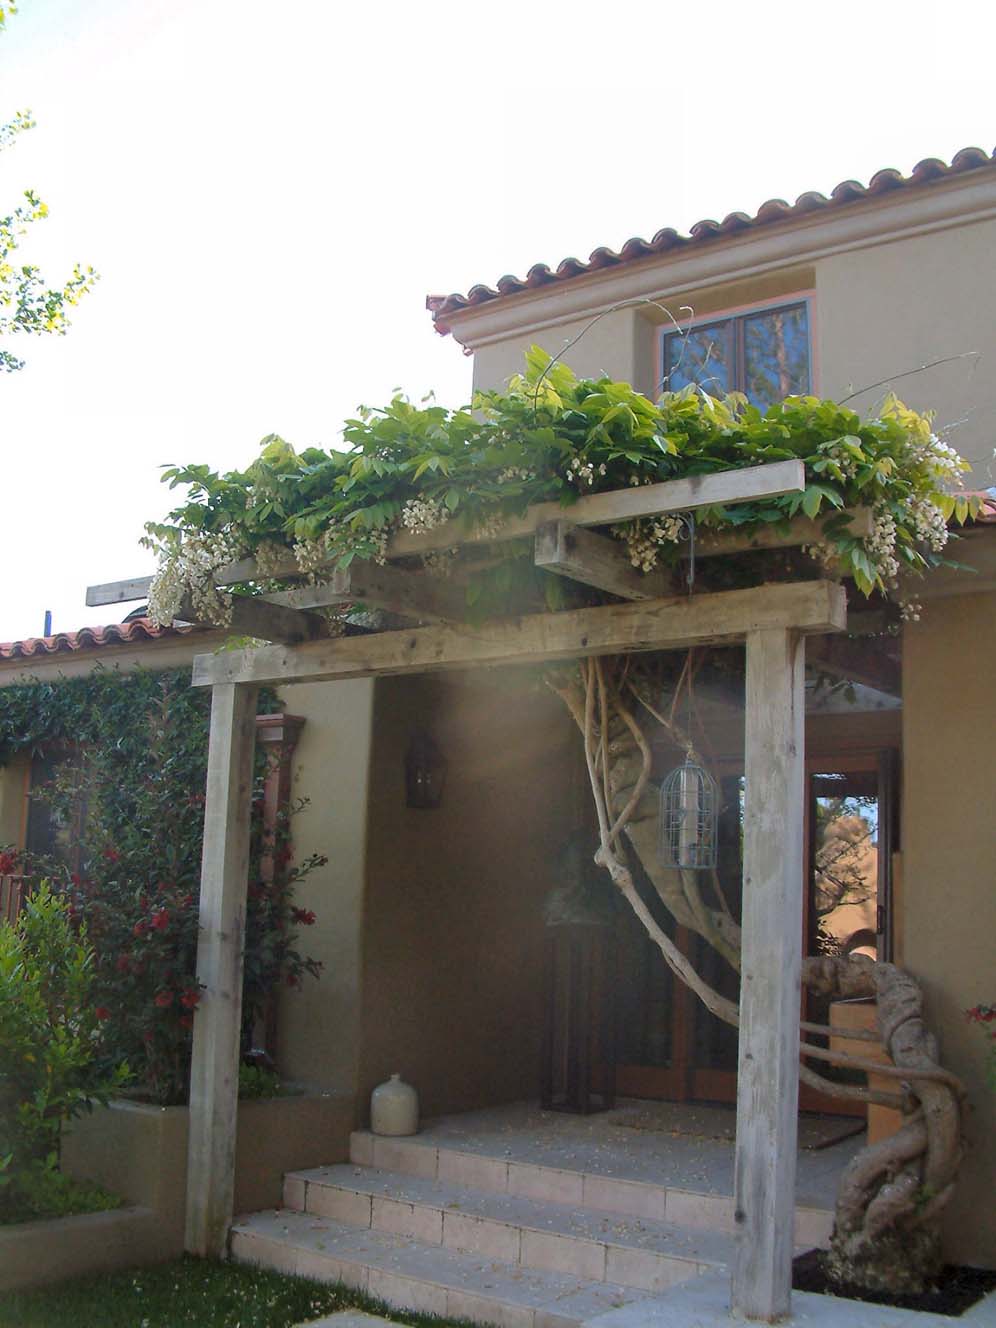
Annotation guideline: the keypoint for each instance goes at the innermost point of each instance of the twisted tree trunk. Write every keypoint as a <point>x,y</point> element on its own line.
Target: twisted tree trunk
<point>886,1232</point>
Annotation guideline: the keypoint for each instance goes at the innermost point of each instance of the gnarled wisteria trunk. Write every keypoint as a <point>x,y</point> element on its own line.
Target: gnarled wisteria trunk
<point>886,1233</point>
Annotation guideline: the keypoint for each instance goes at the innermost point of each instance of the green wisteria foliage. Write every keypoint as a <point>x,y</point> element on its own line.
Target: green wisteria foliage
<point>27,303</point>
<point>552,436</point>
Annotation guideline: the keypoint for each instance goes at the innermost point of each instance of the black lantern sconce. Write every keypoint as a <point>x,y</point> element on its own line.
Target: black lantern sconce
<point>425,772</point>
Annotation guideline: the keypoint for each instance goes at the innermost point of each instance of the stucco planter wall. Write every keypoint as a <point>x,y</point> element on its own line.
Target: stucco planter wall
<point>140,1152</point>
<point>38,1253</point>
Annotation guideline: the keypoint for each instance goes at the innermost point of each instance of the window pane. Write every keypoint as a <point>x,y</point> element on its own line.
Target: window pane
<point>702,355</point>
<point>776,355</point>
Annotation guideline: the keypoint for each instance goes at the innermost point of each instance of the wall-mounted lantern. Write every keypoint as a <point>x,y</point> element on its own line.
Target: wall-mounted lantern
<point>425,772</point>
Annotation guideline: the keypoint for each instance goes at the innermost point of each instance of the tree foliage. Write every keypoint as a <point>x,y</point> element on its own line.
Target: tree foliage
<point>28,304</point>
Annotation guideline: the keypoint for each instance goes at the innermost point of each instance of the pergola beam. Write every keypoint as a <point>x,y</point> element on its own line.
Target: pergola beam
<point>747,484</point>
<point>254,615</point>
<point>595,560</point>
<point>410,594</point>
<point>664,624</point>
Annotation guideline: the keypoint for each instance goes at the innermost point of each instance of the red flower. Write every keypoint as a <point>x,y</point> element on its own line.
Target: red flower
<point>140,928</point>
<point>164,999</point>
<point>160,919</point>
<point>190,998</point>
<point>111,855</point>
<point>303,916</point>
<point>122,964</point>
<point>8,861</point>
<point>186,1021</point>
<point>147,1036</point>
<point>102,1012</point>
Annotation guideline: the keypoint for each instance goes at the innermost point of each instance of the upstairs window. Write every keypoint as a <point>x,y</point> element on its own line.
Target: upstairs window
<point>763,353</point>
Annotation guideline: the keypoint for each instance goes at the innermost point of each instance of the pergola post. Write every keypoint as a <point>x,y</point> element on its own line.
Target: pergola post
<point>768,1074</point>
<point>214,1076</point>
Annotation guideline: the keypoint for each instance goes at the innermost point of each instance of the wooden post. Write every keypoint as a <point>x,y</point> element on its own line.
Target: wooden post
<point>214,1077</point>
<point>768,1074</point>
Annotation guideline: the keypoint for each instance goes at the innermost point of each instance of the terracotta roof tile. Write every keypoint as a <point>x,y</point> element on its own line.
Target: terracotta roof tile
<point>705,231</point>
<point>88,638</point>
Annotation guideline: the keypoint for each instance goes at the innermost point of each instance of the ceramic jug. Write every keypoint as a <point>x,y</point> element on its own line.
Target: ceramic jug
<point>394,1108</point>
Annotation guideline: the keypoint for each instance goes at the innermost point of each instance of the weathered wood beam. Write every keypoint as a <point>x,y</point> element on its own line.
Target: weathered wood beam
<point>595,560</point>
<point>410,594</point>
<point>252,615</point>
<point>604,509</point>
<point>597,509</point>
<point>118,592</point>
<point>666,624</point>
<point>214,1073</point>
<point>771,958</point>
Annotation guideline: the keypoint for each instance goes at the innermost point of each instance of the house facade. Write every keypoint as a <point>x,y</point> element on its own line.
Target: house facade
<point>431,923</point>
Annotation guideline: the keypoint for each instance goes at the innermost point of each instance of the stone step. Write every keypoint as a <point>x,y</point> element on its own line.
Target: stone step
<point>428,1279</point>
<point>533,1233</point>
<point>422,1156</point>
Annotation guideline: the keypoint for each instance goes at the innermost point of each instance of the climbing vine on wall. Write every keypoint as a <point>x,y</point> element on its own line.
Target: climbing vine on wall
<point>129,793</point>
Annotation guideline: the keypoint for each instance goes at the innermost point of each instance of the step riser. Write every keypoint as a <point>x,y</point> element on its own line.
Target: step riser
<point>399,1291</point>
<point>595,1261</point>
<point>525,1180</point>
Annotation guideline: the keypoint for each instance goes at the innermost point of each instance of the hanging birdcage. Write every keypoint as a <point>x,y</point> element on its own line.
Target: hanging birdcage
<point>689,818</point>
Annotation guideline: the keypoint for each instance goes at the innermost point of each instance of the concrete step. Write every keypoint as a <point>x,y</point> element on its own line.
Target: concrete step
<point>424,1157</point>
<point>640,1252</point>
<point>429,1279</point>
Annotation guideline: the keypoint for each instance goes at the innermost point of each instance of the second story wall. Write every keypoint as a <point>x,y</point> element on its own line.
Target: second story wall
<point>879,309</point>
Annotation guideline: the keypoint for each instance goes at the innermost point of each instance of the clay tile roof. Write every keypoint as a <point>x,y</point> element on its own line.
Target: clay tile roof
<point>707,231</point>
<point>88,638</point>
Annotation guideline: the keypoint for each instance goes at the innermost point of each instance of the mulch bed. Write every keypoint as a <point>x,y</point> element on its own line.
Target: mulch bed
<point>957,1289</point>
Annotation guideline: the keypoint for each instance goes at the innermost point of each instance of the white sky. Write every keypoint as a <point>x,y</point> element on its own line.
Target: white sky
<point>269,191</point>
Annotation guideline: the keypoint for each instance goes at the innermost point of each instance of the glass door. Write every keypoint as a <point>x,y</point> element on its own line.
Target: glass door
<point>670,1046</point>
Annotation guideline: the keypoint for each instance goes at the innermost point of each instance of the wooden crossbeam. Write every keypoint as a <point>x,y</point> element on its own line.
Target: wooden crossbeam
<point>410,594</point>
<point>597,509</point>
<point>596,560</point>
<point>664,624</point>
<point>253,615</point>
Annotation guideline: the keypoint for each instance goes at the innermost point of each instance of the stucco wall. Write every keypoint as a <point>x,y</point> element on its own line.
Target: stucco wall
<point>452,942</point>
<point>948,896</point>
<point>318,1027</point>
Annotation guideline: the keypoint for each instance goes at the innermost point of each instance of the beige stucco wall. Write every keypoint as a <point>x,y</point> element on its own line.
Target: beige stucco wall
<point>892,308</point>
<point>453,936</point>
<point>948,899</point>
<point>318,1026</point>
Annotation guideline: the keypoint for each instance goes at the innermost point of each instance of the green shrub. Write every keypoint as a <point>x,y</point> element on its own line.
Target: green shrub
<point>53,1061</point>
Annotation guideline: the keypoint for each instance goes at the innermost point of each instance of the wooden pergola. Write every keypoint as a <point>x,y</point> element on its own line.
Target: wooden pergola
<point>770,620</point>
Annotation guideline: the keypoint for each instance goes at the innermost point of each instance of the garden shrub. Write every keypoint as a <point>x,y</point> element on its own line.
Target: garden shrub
<point>55,1057</point>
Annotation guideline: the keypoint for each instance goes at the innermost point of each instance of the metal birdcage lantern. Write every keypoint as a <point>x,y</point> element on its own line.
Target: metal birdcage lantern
<point>689,818</point>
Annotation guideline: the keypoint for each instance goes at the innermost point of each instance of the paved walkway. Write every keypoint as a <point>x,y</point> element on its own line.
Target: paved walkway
<point>703,1302</point>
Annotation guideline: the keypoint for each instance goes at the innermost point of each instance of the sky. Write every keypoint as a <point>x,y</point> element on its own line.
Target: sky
<point>270,191</point>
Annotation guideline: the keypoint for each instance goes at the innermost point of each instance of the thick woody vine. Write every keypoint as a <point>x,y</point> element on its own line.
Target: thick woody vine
<point>886,1234</point>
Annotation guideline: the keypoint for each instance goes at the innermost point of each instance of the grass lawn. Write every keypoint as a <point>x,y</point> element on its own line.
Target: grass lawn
<point>189,1292</point>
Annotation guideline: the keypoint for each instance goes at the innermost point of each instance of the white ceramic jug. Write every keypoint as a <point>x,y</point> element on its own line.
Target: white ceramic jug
<point>394,1108</point>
